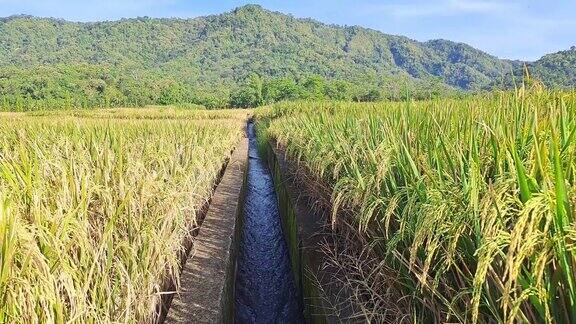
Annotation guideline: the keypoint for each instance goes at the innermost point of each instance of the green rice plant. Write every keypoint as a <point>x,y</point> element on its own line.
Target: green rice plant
<point>470,200</point>
<point>93,211</point>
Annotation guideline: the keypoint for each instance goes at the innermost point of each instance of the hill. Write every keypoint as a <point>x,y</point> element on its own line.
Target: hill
<point>557,69</point>
<point>206,59</point>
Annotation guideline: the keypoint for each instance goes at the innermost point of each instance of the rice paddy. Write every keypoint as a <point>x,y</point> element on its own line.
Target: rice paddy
<point>94,206</point>
<point>470,202</point>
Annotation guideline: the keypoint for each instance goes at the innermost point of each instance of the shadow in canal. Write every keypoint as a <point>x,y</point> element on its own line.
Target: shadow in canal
<point>265,289</point>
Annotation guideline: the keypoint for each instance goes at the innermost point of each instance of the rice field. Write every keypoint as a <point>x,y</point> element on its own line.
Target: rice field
<point>94,206</point>
<point>470,202</point>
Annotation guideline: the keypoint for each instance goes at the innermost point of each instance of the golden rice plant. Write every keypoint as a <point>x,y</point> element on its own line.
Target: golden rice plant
<point>470,200</point>
<point>93,211</point>
<point>151,112</point>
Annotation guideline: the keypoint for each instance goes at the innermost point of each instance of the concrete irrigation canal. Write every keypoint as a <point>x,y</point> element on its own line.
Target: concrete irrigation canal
<point>265,290</point>
<point>249,262</point>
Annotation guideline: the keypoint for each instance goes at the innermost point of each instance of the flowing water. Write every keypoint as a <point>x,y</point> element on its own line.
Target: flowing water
<point>265,290</point>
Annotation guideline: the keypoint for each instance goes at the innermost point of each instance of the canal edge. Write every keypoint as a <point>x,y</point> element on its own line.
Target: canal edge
<point>206,294</point>
<point>305,228</point>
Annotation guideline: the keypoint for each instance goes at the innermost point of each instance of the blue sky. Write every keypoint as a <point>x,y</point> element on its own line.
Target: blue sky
<point>515,29</point>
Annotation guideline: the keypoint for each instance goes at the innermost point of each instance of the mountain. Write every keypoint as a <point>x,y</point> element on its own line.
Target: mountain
<point>212,56</point>
<point>556,69</point>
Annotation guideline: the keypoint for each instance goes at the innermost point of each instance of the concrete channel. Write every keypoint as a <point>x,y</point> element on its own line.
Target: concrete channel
<point>265,289</point>
<point>207,282</point>
<point>256,252</point>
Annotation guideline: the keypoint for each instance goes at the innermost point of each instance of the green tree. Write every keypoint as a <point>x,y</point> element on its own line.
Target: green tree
<point>314,87</point>
<point>251,95</point>
<point>338,90</point>
<point>370,96</point>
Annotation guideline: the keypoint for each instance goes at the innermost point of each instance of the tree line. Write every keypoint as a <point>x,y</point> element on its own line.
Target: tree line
<point>95,86</point>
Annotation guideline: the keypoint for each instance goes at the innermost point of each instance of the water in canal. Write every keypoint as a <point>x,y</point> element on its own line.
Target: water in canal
<point>265,290</point>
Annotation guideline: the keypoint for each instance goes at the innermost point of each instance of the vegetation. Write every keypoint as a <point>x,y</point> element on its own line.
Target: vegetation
<point>94,207</point>
<point>467,200</point>
<point>469,203</point>
<point>557,68</point>
<point>258,92</point>
<point>50,63</point>
<point>66,88</point>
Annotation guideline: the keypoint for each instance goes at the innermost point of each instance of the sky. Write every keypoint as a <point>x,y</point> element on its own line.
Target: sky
<point>513,29</point>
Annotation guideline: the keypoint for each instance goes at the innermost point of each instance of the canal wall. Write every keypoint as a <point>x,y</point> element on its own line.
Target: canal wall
<point>304,210</point>
<point>207,281</point>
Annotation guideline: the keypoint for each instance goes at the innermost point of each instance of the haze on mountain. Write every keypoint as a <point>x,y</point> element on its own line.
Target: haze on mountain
<point>207,59</point>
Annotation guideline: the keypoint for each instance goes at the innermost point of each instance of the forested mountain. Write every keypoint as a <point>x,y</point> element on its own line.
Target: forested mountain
<point>557,69</point>
<point>206,59</point>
